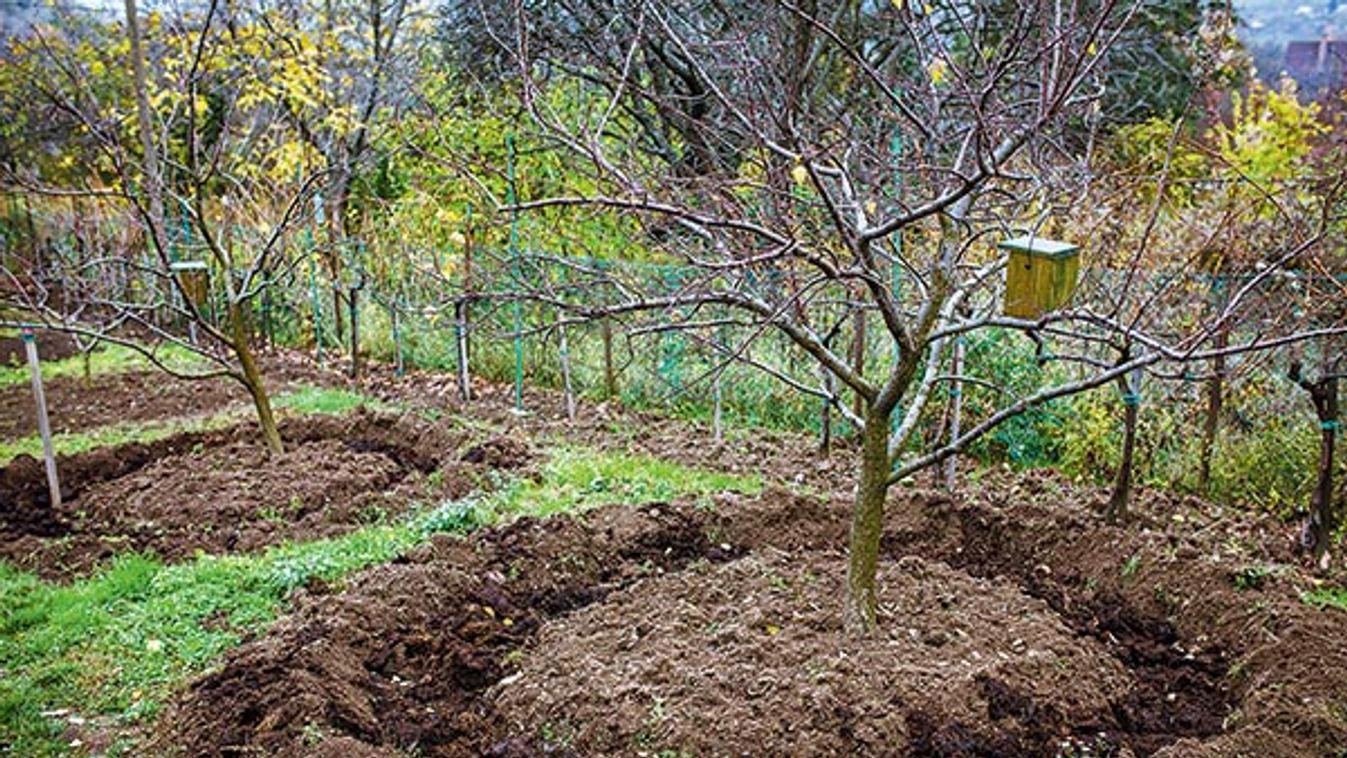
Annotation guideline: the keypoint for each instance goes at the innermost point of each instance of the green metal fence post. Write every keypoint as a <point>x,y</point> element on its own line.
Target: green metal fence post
<point>313,277</point>
<point>511,199</point>
<point>317,310</point>
<point>671,346</point>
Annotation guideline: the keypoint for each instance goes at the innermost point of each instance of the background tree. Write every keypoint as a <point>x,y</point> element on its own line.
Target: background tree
<point>228,171</point>
<point>351,70</point>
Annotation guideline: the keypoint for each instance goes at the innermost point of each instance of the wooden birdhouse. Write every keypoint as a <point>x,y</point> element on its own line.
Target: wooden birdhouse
<point>193,275</point>
<point>1040,277</point>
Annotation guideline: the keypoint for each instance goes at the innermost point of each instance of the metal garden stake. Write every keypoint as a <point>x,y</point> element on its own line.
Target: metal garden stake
<point>43,424</point>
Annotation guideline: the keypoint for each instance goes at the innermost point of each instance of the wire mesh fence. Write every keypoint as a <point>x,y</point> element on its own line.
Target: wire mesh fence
<point>1263,453</point>
<point>444,309</point>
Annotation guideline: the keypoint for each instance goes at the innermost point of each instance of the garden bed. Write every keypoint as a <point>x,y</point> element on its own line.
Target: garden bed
<point>775,456</point>
<point>1013,621</point>
<point>219,491</point>
<point>1009,627</point>
<point>76,405</point>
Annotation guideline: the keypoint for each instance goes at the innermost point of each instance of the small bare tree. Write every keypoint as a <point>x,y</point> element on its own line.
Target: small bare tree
<point>208,149</point>
<point>836,160</point>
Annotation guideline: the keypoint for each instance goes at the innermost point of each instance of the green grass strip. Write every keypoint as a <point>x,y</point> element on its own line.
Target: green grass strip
<point>1326,597</point>
<point>577,479</point>
<point>115,645</point>
<point>307,399</point>
<point>112,647</point>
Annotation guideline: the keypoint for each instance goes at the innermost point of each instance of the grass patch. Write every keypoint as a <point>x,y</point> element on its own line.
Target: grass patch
<point>1326,597</point>
<point>303,400</point>
<point>307,400</point>
<point>110,359</point>
<point>577,479</point>
<point>112,647</point>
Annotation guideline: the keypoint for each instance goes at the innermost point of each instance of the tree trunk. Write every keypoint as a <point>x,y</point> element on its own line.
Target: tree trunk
<point>1324,518</point>
<point>858,359</point>
<point>252,380</point>
<point>338,306</point>
<point>867,525</point>
<point>339,188</point>
<point>1121,495</point>
<point>355,333</point>
<point>153,182</point>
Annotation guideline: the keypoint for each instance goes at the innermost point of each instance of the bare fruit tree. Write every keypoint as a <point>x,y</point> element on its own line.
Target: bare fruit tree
<point>812,164</point>
<point>205,147</point>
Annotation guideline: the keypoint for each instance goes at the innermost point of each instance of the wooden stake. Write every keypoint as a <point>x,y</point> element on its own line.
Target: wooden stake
<point>43,424</point>
<point>461,325</point>
<point>463,315</point>
<point>397,337</point>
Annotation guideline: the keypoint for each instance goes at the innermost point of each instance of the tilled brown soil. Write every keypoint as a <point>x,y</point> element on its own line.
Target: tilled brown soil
<point>402,661</point>
<point>51,347</point>
<point>718,658</point>
<point>74,405</point>
<point>220,491</point>
<point>1011,627</point>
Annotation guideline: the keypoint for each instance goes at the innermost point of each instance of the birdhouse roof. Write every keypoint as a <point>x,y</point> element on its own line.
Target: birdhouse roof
<point>1041,246</point>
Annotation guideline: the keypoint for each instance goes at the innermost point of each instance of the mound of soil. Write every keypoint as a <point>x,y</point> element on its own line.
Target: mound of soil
<point>221,491</point>
<point>401,660</point>
<point>51,346</point>
<point>499,452</point>
<point>750,658</point>
<point>74,406</point>
<point>1012,626</point>
<point>1219,670</point>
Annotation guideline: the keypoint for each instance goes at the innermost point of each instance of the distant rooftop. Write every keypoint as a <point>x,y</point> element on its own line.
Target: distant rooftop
<point>1317,63</point>
<point>1306,41</point>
